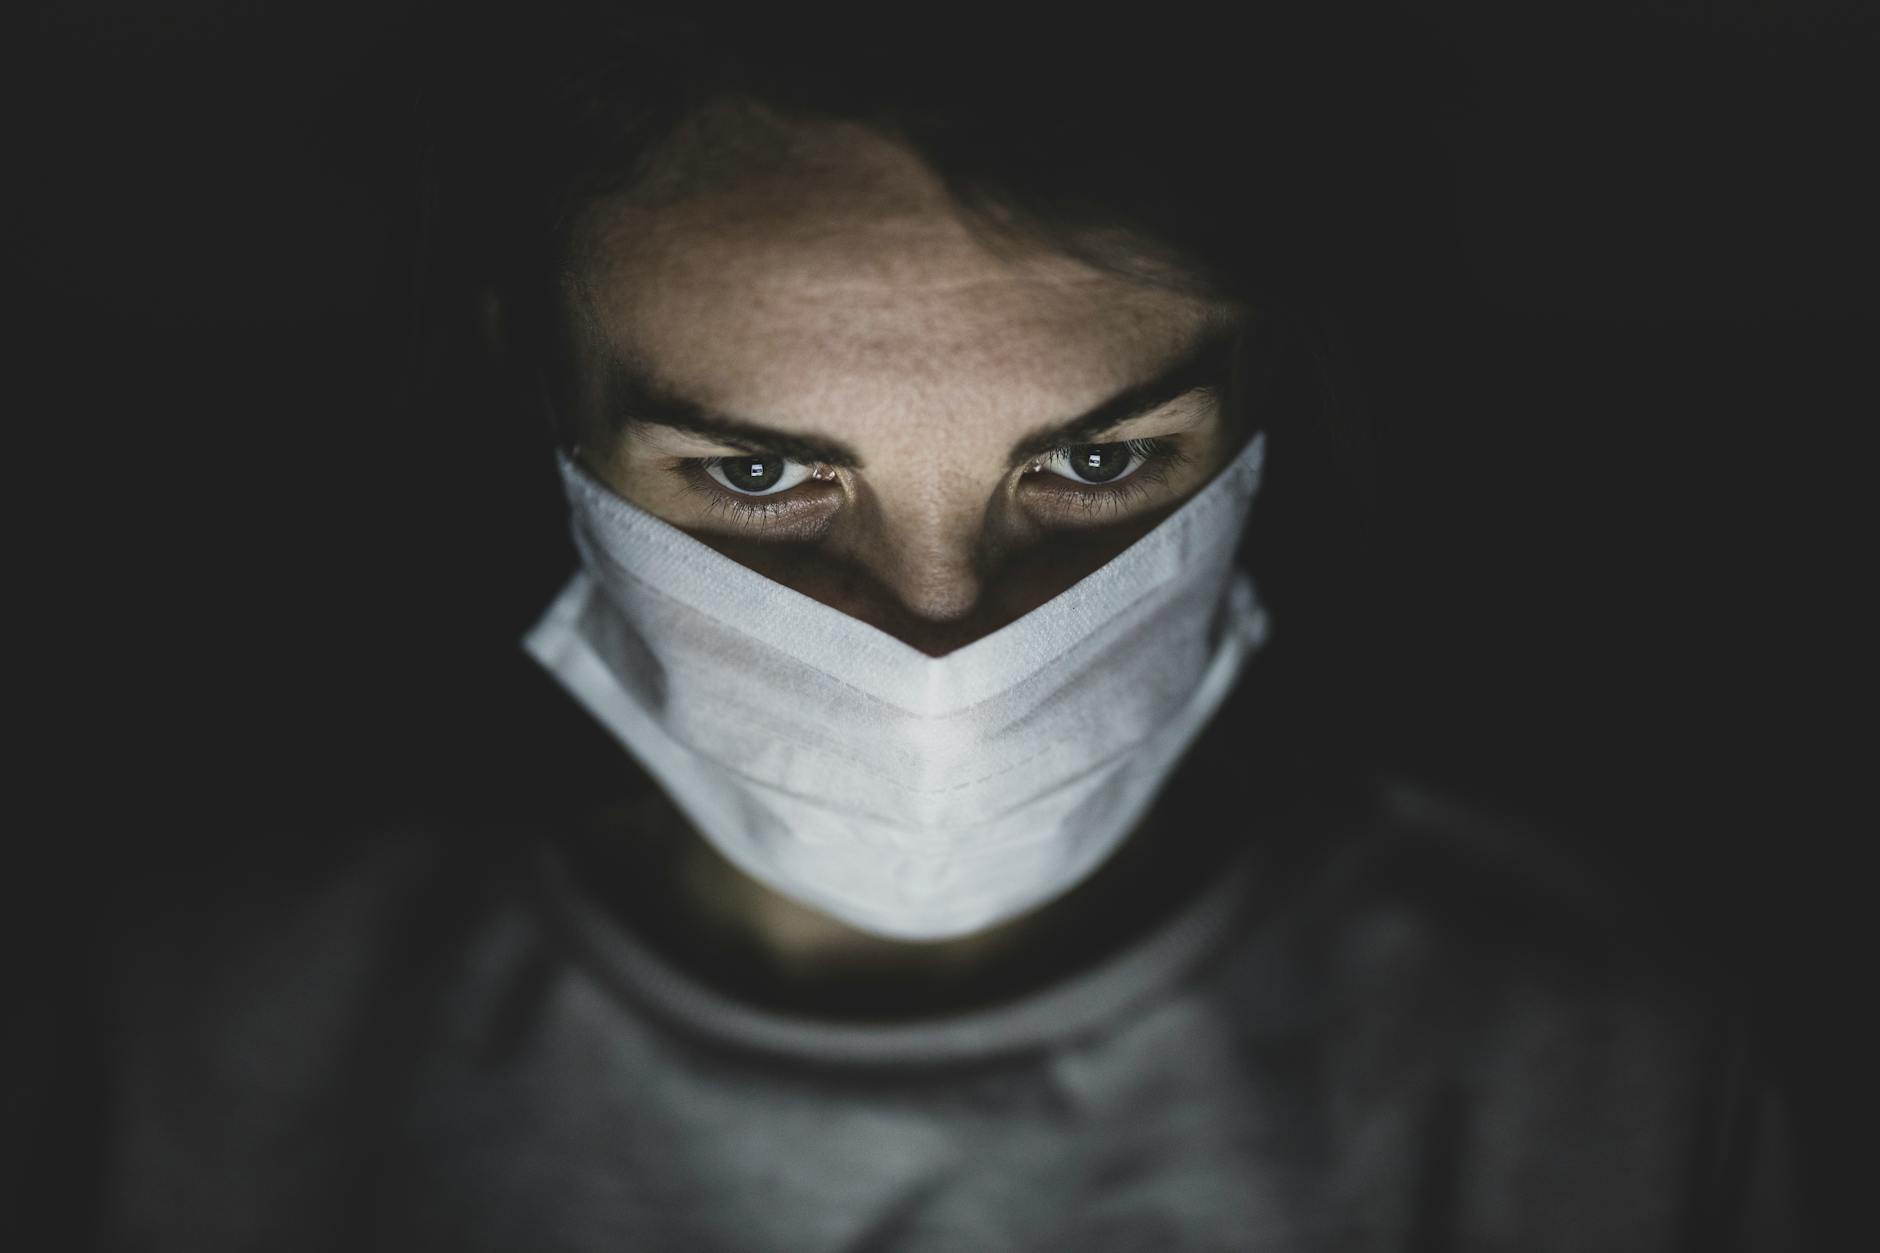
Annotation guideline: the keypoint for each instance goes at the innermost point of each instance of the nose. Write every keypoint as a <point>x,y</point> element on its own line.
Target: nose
<point>934,582</point>
<point>940,577</point>
<point>918,576</point>
<point>931,566</point>
<point>938,588</point>
<point>924,574</point>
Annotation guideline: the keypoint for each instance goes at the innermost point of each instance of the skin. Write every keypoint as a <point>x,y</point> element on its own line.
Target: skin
<point>816,282</point>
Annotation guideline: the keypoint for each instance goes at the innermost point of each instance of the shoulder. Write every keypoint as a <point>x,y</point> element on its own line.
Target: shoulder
<point>1417,878</point>
<point>1500,930</point>
<point>285,937</point>
<point>256,1020</point>
<point>1550,959</point>
<point>1465,982</point>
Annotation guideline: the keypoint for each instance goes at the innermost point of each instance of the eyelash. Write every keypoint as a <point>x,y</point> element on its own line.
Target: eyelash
<point>1159,457</point>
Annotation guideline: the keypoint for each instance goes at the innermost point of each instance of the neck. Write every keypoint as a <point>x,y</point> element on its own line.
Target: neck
<point>644,860</point>
<point>708,916</point>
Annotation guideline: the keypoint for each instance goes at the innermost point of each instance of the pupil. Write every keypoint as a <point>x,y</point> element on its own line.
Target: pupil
<point>754,474</point>
<point>1099,463</point>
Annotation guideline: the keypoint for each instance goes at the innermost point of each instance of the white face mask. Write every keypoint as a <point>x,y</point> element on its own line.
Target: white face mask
<point>910,796</point>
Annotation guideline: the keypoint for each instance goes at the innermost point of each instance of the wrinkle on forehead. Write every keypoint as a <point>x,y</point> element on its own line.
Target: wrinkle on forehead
<point>848,205</point>
<point>799,243</point>
<point>828,277</point>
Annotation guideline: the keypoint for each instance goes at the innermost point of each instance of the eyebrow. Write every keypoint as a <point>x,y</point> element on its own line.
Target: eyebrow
<point>641,401</point>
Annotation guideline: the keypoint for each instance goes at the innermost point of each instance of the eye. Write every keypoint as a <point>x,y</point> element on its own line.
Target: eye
<point>753,474</point>
<point>1101,463</point>
<point>1093,483</point>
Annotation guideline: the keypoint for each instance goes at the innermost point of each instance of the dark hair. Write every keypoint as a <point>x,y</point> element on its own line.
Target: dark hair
<point>1286,160</point>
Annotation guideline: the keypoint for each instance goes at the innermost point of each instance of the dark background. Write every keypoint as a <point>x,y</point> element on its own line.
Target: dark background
<point>1618,484</point>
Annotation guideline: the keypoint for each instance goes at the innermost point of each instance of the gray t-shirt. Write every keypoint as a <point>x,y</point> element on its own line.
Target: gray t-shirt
<point>1425,1036</point>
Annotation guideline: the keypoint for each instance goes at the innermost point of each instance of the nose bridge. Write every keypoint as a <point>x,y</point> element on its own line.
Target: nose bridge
<point>930,552</point>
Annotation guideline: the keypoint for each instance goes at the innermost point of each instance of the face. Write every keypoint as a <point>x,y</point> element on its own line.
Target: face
<point>799,354</point>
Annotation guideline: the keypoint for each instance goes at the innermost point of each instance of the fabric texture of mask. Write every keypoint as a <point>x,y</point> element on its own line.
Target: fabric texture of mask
<point>909,796</point>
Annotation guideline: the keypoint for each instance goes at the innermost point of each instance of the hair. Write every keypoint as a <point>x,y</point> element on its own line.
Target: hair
<point>1286,160</point>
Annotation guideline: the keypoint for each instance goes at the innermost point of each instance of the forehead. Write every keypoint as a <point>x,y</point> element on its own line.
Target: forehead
<point>809,273</point>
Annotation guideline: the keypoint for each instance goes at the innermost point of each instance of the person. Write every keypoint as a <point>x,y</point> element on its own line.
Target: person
<point>936,824</point>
